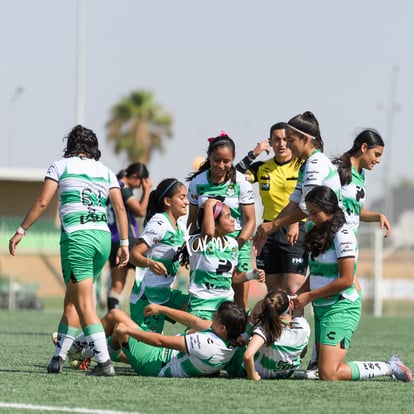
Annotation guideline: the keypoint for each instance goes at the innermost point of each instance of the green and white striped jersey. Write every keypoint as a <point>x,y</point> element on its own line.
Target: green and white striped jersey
<point>207,353</point>
<point>83,186</point>
<point>353,198</point>
<point>317,170</point>
<point>211,269</point>
<point>323,269</point>
<point>282,357</point>
<point>234,194</point>
<point>163,240</point>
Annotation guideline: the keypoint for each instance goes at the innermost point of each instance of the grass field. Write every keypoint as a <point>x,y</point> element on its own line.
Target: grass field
<point>26,387</point>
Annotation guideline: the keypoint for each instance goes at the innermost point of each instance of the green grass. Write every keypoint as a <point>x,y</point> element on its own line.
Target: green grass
<point>26,350</point>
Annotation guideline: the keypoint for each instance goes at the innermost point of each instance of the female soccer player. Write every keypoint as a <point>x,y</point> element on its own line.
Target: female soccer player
<point>217,177</point>
<point>84,185</point>
<point>277,341</point>
<point>133,177</point>
<point>201,353</point>
<point>305,141</point>
<point>212,257</point>
<point>155,254</point>
<point>284,262</point>
<point>366,152</point>
<point>330,287</point>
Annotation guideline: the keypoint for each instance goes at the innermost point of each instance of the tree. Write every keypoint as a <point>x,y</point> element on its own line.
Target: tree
<point>138,126</point>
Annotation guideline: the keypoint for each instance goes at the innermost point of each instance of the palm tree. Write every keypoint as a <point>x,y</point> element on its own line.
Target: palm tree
<point>138,126</point>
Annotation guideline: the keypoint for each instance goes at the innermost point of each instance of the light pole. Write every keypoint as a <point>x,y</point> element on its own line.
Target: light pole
<point>390,112</point>
<point>80,64</point>
<point>19,90</point>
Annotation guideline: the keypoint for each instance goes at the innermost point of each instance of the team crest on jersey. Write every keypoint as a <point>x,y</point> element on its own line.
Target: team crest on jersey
<point>230,190</point>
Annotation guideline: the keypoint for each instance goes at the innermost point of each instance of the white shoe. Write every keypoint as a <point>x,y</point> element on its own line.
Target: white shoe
<point>400,372</point>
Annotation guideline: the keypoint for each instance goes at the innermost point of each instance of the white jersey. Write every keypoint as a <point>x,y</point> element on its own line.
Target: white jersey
<point>163,240</point>
<point>211,270</point>
<point>84,186</point>
<point>206,354</point>
<point>323,269</point>
<point>279,359</point>
<point>234,194</point>
<point>317,170</point>
<point>353,198</point>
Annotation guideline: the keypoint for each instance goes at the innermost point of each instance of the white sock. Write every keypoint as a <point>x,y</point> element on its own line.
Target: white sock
<point>79,343</point>
<point>368,370</point>
<point>97,342</point>
<point>63,344</point>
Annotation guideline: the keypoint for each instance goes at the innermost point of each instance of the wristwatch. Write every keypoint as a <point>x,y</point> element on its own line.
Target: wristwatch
<point>251,155</point>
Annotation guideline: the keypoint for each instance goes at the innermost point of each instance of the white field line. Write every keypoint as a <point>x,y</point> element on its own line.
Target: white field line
<point>62,409</point>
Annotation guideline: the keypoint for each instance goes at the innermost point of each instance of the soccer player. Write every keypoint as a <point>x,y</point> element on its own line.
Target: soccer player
<point>305,141</point>
<point>330,287</point>
<point>196,354</point>
<point>156,254</point>
<point>213,257</point>
<point>283,257</point>
<point>84,185</point>
<point>133,177</point>
<point>277,341</point>
<point>217,177</point>
<point>366,152</point>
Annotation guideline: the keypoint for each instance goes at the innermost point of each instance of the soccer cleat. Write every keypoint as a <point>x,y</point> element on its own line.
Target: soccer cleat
<point>105,369</point>
<point>56,365</point>
<point>309,374</point>
<point>312,365</point>
<point>400,372</point>
<point>84,365</point>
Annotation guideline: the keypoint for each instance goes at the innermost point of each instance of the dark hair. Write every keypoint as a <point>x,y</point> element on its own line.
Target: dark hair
<point>166,188</point>
<point>274,304</point>
<point>234,318</point>
<point>307,123</point>
<point>277,126</point>
<point>83,141</point>
<point>368,136</point>
<point>222,140</point>
<point>319,238</point>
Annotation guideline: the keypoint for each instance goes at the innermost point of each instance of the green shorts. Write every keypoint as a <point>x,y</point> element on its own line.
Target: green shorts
<point>146,360</point>
<point>336,323</point>
<point>177,300</point>
<point>84,254</point>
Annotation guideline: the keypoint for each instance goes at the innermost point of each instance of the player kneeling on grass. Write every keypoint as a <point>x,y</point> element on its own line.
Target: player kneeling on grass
<point>277,341</point>
<point>332,248</point>
<point>197,354</point>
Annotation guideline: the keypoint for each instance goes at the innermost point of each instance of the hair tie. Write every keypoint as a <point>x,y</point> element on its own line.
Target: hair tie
<point>217,209</point>
<point>211,139</point>
<point>171,185</point>
<point>223,133</point>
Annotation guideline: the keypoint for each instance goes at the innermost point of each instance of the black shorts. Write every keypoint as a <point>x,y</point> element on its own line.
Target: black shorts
<point>114,249</point>
<point>278,256</point>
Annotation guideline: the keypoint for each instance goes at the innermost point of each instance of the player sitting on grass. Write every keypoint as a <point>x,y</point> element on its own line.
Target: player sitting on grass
<point>276,340</point>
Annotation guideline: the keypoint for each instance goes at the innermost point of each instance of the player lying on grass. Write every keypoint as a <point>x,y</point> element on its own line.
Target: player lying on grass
<point>276,340</point>
<point>201,353</point>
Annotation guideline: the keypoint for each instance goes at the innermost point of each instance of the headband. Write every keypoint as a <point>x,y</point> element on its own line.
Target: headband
<point>288,306</point>
<point>171,185</point>
<point>300,132</point>
<point>217,209</point>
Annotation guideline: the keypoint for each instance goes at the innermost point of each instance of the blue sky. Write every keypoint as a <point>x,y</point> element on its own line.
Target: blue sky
<point>232,65</point>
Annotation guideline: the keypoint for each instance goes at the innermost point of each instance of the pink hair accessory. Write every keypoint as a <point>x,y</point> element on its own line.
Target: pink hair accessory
<point>217,209</point>
<point>223,133</point>
<point>211,139</point>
